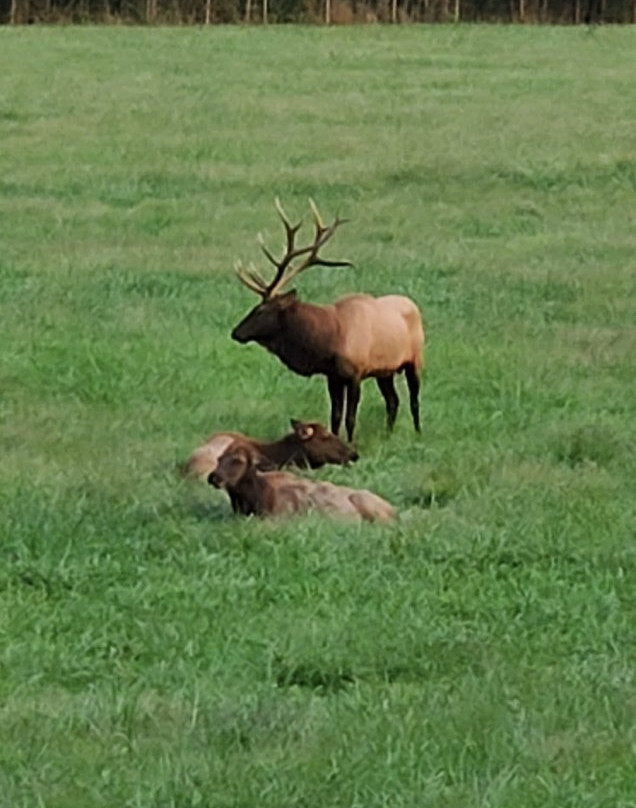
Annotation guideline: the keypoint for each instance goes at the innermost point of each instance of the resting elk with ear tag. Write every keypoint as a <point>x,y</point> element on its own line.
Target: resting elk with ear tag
<point>308,445</point>
<point>352,339</point>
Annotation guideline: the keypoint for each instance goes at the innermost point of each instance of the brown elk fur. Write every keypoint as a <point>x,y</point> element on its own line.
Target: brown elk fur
<point>352,339</point>
<point>309,445</point>
<point>279,493</point>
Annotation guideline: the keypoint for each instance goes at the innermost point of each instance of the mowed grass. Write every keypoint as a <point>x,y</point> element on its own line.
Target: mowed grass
<point>158,652</point>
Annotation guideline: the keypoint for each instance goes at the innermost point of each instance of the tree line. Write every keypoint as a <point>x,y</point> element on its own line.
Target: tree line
<point>208,12</point>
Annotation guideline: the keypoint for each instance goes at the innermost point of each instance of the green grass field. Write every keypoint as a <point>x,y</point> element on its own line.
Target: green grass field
<point>157,652</point>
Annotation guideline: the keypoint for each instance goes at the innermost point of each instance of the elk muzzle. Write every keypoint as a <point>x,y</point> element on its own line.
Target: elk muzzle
<point>239,335</point>
<point>214,479</point>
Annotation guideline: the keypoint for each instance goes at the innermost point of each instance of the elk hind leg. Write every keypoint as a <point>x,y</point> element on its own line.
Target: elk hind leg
<point>371,507</point>
<point>413,382</point>
<point>387,388</point>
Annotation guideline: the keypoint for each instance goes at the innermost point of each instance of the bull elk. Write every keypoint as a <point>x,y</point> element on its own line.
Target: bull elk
<point>279,493</point>
<point>355,338</point>
<point>308,445</point>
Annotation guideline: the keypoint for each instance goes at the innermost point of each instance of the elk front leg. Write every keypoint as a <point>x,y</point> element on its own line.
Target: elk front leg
<point>353,398</point>
<point>336,394</point>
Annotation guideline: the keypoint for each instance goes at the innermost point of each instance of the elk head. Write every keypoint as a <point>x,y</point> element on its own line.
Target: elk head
<point>263,321</point>
<point>321,446</point>
<point>233,464</point>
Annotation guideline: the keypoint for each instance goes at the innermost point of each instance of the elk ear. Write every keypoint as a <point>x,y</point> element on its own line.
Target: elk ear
<point>304,431</point>
<point>287,299</point>
<point>248,456</point>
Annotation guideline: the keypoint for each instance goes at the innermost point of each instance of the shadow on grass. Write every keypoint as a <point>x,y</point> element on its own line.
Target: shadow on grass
<point>321,678</point>
<point>431,487</point>
<point>589,443</point>
<point>211,512</point>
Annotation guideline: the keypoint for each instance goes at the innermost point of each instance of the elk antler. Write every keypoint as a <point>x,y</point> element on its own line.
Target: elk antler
<point>284,269</point>
<point>250,277</point>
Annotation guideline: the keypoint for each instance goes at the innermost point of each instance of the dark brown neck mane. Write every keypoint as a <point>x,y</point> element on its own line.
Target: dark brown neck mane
<point>304,341</point>
<point>288,449</point>
<point>248,494</point>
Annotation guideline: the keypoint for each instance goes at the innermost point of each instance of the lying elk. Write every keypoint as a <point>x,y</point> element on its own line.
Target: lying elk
<point>279,493</point>
<point>308,445</point>
<point>350,340</point>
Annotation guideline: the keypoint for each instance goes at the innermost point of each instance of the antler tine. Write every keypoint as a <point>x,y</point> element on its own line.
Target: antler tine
<point>250,278</point>
<point>317,217</point>
<point>256,276</point>
<point>290,229</point>
<point>283,215</point>
<point>324,232</point>
<point>265,249</point>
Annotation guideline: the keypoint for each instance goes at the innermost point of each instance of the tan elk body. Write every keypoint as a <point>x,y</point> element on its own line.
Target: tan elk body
<point>279,493</point>
<point>366,336</point>
<point>355,338</point>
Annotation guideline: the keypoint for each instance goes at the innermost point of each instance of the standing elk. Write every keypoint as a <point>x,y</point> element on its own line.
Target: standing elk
<point>279,493</point>
<point>309,445</point>
<point>347,341</point>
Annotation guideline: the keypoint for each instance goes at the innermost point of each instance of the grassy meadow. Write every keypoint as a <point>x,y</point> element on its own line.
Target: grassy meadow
<point>157,652</point>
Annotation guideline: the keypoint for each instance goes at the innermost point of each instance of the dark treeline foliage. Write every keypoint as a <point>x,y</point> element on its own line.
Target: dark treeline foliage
<point>327,11</point>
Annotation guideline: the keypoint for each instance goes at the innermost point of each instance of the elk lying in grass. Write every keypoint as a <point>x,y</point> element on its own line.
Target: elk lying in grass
<point>308,445</point>
<point>350,340</point>
<point>279,493</point>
